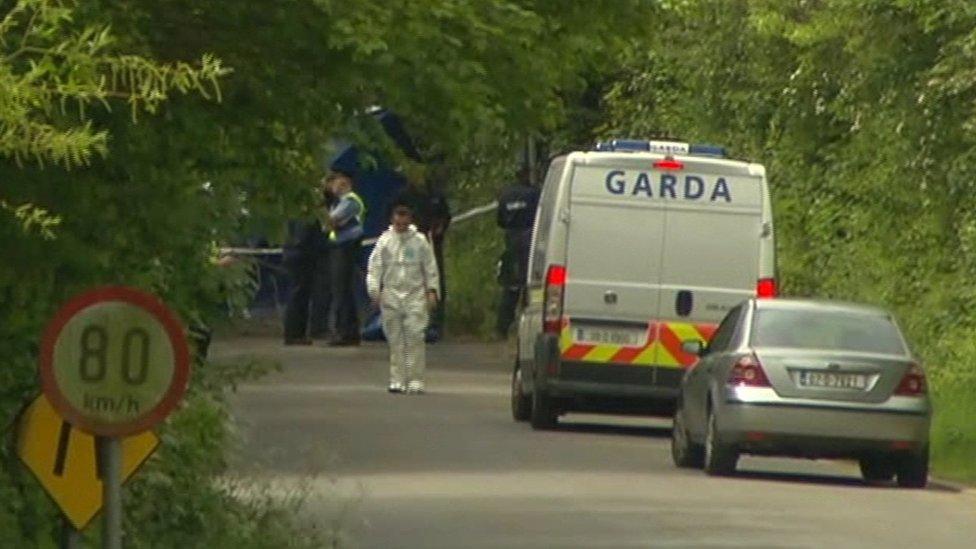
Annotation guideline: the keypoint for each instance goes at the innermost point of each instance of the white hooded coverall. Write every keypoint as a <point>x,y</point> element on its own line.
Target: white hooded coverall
<point>402,269</point>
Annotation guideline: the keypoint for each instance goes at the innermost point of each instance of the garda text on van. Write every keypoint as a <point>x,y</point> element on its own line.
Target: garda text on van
<point>666,185</point>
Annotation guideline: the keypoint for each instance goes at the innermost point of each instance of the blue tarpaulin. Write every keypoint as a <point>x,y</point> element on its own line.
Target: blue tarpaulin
<point>377,182</point>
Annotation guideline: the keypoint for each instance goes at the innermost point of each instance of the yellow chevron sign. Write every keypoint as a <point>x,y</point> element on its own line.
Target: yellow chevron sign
<point>64,459</point>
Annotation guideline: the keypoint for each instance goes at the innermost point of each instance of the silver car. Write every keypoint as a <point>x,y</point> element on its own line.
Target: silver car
<point>807,379</point>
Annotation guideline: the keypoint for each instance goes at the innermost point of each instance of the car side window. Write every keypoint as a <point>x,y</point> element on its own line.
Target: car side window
<point>722,339</point>
<point>543,223</point>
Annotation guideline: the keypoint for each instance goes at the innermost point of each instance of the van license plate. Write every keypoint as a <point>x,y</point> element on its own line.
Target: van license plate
<point>607,336</point>
<point>832,380</point>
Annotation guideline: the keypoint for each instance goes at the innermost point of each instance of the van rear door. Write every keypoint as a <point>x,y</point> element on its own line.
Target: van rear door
<point>615,242</point>
<point>711,252</point>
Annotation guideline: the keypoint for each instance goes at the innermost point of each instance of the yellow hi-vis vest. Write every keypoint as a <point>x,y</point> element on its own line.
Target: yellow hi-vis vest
<point>356,220</point>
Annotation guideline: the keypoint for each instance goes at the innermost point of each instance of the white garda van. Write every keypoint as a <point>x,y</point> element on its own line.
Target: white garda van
<point>637,247</point>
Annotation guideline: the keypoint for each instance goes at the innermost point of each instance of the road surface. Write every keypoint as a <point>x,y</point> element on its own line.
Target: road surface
<point>450,469</point>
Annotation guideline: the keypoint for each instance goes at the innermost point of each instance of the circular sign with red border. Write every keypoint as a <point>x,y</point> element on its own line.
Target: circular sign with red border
<point>114,361</point>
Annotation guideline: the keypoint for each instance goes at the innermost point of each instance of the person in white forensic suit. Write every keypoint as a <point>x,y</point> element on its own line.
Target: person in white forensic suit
<point>402,279</point>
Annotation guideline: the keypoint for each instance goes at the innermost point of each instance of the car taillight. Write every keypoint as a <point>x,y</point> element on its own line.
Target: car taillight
<point>748,372</point>
<point>552,305</point>
<point>912,383</point>
<point>766,287</point>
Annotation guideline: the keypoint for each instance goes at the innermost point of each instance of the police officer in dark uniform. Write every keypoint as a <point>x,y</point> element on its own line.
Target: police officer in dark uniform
<point>516,215</point>
<point>345,223</point>
<point>306,258</point>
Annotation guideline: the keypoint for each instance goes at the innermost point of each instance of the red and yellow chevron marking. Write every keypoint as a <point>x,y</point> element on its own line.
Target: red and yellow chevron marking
<point>588,352</point>
<point>662,347</point>
<point>672,334</point>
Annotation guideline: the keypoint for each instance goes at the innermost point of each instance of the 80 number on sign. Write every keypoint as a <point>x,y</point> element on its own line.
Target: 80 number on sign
<point>94,355</point>
<point>114,361</point>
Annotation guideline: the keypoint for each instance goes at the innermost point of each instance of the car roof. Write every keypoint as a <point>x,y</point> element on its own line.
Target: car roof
<point>820,305</point>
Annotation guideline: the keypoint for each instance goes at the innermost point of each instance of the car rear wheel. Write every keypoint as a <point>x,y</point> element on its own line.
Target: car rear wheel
<point>913,470</point>
<point>521,404</point>
<point>877,469</point>
<point>684,452</point>
<point>543,415</point>
<point>720,459</point>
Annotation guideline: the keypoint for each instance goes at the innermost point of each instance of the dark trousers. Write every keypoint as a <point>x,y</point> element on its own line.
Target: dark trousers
<point>507,306</point>
<point>307,311</point>
<point>513,268</point>
<point>344,258</point>
<point>437,318</point>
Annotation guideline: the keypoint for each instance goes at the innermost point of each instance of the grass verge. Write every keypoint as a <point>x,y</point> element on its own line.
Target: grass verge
<point>953,441</point>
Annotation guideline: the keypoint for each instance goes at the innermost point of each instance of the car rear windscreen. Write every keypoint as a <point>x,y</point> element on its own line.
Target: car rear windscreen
<point>827,330</point>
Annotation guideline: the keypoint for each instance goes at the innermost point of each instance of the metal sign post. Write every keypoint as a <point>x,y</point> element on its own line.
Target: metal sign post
<point>70,537</point>
<point>111,448</point>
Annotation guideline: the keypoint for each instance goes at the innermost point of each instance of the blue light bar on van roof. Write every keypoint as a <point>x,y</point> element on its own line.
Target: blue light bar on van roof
<point>624,145</point>
<point>665,147</point>
<point>643,145</point>
<point>707,150</point>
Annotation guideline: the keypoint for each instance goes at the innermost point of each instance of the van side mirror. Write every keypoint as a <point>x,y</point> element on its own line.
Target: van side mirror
<point>694,347</point>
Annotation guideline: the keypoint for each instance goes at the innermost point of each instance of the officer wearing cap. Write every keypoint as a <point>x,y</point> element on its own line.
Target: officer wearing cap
<point>345,223</point>
<point>515,215</point>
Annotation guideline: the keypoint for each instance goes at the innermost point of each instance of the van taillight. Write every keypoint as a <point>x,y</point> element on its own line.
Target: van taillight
<point>748,372</point>
<point>766,287</point>
<point>552,304</point>
<point>913,383</point>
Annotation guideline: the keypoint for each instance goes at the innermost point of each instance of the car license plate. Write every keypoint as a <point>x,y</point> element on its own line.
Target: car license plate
<point>832,380</point>
<point>611,336</point>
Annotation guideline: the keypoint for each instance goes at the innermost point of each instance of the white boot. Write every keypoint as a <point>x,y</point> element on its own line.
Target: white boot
<point>415,387</point>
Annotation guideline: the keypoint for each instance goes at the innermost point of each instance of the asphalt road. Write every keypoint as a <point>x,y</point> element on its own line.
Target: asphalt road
<point>450,469</point>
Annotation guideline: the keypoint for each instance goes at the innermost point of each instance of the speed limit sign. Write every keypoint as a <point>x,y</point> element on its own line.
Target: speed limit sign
<point>114,361</point>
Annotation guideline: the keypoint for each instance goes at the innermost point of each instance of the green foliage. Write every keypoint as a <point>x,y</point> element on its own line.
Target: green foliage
<point>140,217</point>
<point>32,219</point>
<point>51,68</point>
<point>470,74</point>
<point>863,113</point>
<point>471,254</point>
